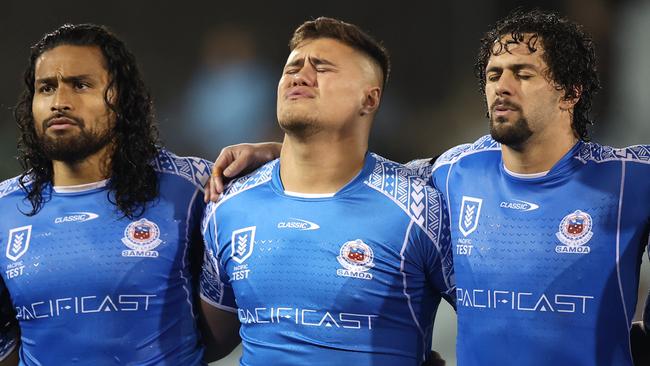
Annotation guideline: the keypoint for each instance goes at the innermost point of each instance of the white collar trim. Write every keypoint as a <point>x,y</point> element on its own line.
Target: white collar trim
<point>525,176</point>
<point>309,195</point>
<point>80,187</point>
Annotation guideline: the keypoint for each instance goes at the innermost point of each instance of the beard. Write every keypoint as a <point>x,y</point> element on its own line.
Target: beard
<point>512,134</point>
<point>73,148</point>
<point>299,126</point>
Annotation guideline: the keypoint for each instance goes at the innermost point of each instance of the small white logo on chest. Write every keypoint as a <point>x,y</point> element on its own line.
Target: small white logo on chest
<point>470,210</point>
<point>298,224</point>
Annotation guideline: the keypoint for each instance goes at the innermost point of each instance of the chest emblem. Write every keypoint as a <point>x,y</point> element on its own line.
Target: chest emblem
<point>356,257</point>
<point>142,237</point>
<point>574,233</point>
<point>18,242</point>
<point>470,209</point>
<point>242,243</point>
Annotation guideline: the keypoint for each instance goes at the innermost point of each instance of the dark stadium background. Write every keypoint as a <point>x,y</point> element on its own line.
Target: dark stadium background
<point>196,53</point>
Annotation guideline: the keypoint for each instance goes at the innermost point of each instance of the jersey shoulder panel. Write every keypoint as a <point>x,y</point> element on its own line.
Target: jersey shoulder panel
<point>594,152</point>
<point>405,188</point>
<point>194,170</point>
<point>258,177</point>
<point>485,143</point>
<point>10,186</point>
<point>262,175</point>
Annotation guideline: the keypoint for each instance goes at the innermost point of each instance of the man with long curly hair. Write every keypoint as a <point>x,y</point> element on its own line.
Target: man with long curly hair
<point>548,228</point>
<point>100,228</point>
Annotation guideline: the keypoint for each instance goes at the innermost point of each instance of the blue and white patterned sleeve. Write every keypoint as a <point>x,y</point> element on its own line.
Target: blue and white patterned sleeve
<point>216,289</point>
<point>439,260</point>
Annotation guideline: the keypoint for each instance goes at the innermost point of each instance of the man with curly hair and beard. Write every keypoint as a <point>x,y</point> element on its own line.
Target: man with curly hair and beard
<point>548,228</point>
<point>100,228</point>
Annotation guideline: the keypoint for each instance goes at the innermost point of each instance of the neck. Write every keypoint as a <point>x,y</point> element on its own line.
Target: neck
<point>538,154</point>
<point>91,169</point>
<point>321,164</point>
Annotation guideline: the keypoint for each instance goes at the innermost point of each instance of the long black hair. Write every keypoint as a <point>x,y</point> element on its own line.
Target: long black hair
<point>568,52</point>
<point>133,181</point>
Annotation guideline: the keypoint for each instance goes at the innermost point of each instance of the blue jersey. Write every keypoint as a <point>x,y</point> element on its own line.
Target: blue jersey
<point>92,287</point>
<point>352,279</point>
<point>547,267</point>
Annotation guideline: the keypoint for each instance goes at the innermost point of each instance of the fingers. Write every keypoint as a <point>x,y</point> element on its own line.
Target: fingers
<point>235,160</point>
<point>207,190</point>
<point>213,187</point>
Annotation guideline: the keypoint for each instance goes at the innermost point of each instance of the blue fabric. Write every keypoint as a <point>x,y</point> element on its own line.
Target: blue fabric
<point>547,268</point>
<point>92,287</point>
<point>353,279</point>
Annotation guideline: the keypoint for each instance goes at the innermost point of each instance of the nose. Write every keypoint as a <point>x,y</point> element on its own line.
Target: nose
<point>62,100</point>
<point>306,76</point>
<point>504,86</point>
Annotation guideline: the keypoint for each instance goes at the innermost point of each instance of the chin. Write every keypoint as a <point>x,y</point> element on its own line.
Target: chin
<point>300,125</point>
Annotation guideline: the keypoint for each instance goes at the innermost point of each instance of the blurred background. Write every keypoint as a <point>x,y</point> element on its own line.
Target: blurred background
<point>213,66</point>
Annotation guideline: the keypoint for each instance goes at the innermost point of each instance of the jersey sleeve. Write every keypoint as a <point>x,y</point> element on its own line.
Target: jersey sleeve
<point>215,285</point>
<point>436,250</point>
<point>9,330</point>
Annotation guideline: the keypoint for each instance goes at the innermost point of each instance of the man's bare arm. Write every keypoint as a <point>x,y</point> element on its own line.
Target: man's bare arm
<point>220,331</point>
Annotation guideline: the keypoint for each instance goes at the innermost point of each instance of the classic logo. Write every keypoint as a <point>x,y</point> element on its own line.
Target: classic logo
<point>298,224</point>
<point>142,237</point>
<point>519,205</point>
<point>242,243</point>
<point>356,257</point>
<point>18,242</point>
<point>575,232</point>
<point>470,209</point>
<point>76,217</point>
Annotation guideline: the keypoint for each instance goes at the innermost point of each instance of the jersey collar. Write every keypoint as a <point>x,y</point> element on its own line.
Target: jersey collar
<point>366,170</point>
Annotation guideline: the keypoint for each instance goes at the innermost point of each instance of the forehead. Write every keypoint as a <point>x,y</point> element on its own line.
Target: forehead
<point>325,48</point>
<point>70,60</point>
<point>527,49</point>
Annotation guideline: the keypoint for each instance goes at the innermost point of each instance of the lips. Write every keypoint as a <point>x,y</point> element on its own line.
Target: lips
<point>299,92</point>
<point>61,121</point>
<point>502,106</point>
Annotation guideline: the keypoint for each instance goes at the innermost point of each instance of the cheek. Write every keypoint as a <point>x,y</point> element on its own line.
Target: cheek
<point>346,96</point>
<point>490,95</point>
<point>93,107</point>
<point>40,109</point>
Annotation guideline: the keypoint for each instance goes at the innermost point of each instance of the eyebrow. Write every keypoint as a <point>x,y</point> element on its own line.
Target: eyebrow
<point>66,79</point>
<point>513,67</point>
<point>314,61</point>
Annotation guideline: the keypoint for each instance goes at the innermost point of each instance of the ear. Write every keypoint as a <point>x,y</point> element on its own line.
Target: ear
<point>370,102</point>
<point>568,102</point>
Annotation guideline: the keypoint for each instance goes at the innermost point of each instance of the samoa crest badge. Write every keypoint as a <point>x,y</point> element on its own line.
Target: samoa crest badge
<point>142,237</point>
<point>357,258</point>
<point>574,232</point>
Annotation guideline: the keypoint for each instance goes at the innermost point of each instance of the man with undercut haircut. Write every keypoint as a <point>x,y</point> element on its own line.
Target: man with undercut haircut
<point>98,231</point>
<point>331,255</point>
<point>548,229</point>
